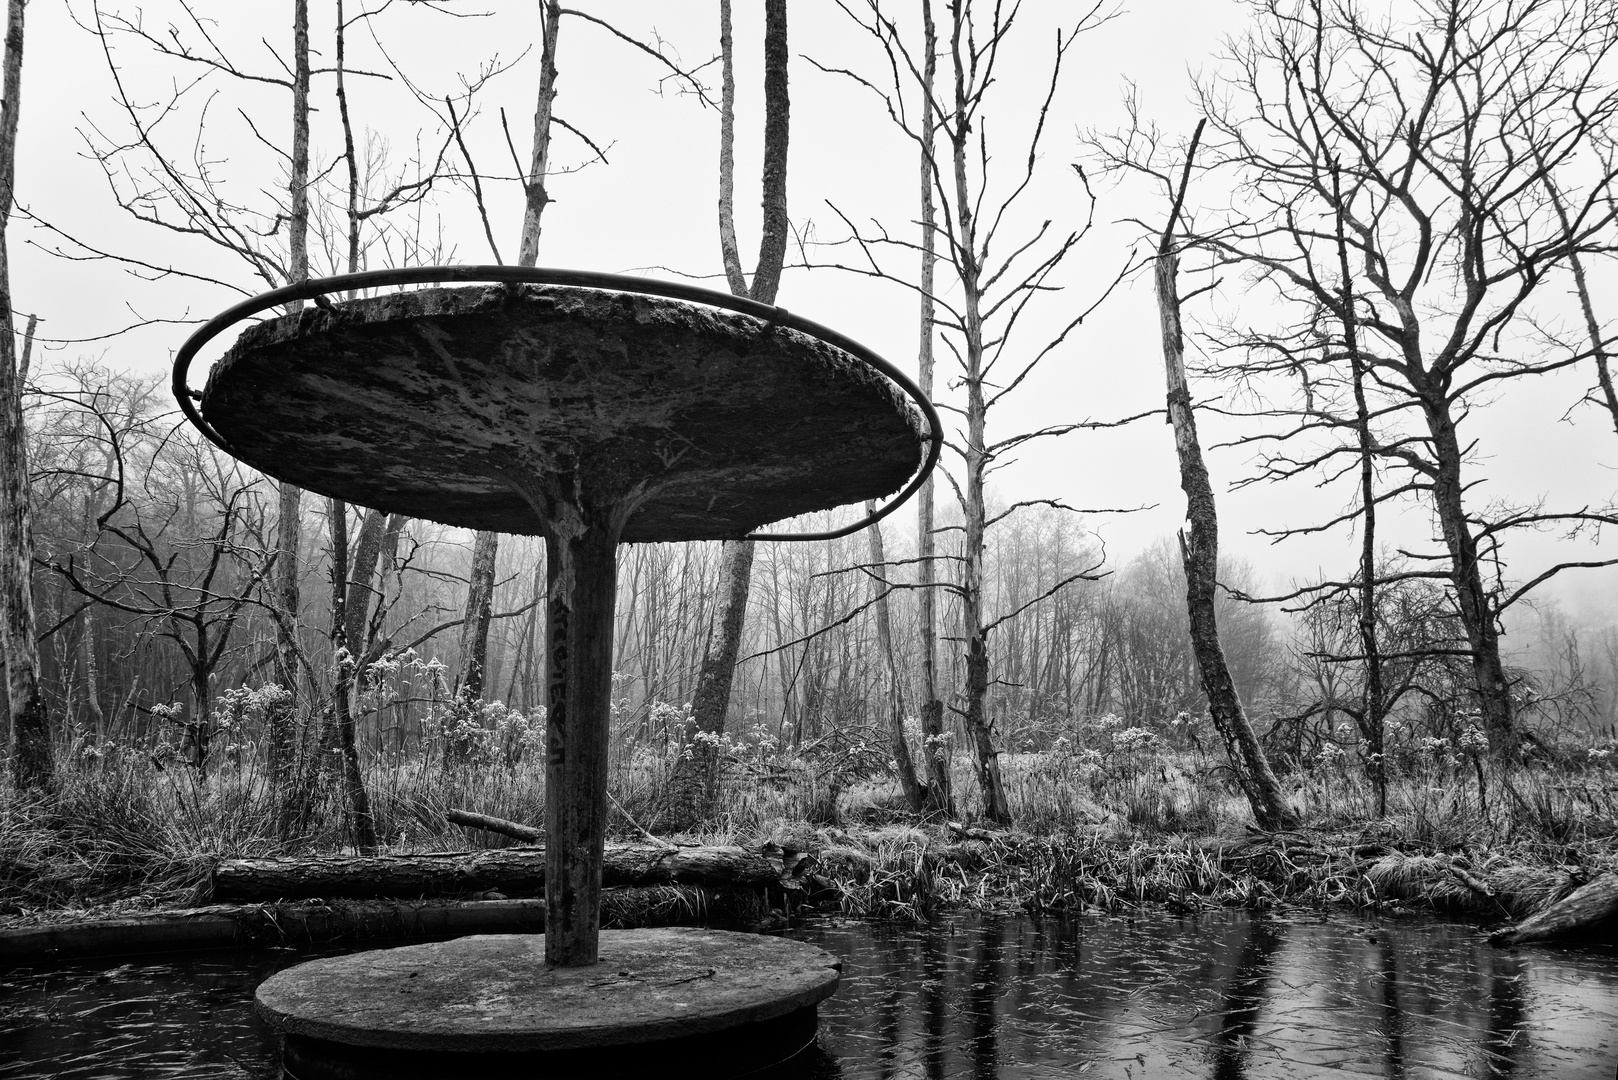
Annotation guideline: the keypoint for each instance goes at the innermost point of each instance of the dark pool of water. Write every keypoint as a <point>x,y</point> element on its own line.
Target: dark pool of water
<point>1222,996</point>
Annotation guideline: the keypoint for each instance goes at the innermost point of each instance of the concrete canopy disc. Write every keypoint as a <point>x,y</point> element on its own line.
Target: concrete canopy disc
<point>423,402</point>
<point>493,992</point>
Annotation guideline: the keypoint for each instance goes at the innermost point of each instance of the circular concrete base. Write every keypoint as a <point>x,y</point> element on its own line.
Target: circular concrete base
<point>493,995</point>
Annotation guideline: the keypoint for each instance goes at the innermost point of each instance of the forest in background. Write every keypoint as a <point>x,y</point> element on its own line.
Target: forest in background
<point>1408,217</point>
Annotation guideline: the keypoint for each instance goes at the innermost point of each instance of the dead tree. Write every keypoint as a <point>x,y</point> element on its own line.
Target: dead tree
<point>1199,543</point>
<point>995,290</point>
<point>1434,143</point>
<point>31,758</point>
<point>693,785</point>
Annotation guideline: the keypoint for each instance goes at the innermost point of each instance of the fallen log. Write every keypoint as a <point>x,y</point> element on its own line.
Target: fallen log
<point>304,923</point>
<point>511,871</point>
<point>516,831</point>
<point>1589,912</point>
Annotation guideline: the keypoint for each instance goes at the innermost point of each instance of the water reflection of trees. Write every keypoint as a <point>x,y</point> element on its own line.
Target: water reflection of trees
<point>987,968</point>
<point>1216,998</point>
<point>1244,999</point>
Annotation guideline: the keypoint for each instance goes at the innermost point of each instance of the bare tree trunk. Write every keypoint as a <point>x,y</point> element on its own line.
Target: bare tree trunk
<point>92,679</point>
<point>935,747</point>
<point>1199,548</point>
<point>694,781</point>
<point>915,794</point>
<point>986,757</point>
<point>712,698</point>
<point>475,630</point>
<point>1373,704</point>
<point>534,190</point>
<point>31,758</point>
<point>486,545</point>
<point>288,530</point>
<point>361,822</point>
<point>1473,598</point>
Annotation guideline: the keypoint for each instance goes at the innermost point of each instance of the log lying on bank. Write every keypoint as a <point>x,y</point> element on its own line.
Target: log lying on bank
<point>220,926</point>
<point>318,923</point>
<point>1587,914</point>
<point>467,819</point>
<point>516,871</point>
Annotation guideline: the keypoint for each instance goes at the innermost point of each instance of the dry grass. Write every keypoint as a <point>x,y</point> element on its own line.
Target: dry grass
<point>125,831</point>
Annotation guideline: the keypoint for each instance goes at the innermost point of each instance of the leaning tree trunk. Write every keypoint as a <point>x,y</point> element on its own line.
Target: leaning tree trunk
<point>31,759</point>
<point>1199,549</point>
<point>694,781</point>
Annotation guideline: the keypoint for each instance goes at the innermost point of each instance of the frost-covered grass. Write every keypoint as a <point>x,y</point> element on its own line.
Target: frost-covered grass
<point>1123,817</point>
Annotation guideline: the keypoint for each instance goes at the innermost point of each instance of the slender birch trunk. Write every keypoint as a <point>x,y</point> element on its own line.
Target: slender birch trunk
<point>915,794</point>
<point>288,533</point>
<point>935,747</point>
<point>361,821</point>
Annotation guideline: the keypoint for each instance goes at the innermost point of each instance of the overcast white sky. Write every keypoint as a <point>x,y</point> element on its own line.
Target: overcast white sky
<point>652,206</point>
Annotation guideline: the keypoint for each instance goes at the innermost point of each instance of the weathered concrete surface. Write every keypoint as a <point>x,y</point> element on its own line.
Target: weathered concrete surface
<point>494,993</point>
<point>423,402</point>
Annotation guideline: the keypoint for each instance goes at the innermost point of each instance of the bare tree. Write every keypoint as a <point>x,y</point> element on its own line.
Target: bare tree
<point>996,286</point>
<point>1412,153</point>
<point>1199,543</point>
<point>180,545</point>
<point>31,763</point>
<point>693,786</point>
<point>1433,146</point>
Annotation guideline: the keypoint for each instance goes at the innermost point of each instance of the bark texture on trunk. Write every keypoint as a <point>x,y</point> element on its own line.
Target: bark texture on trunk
<point>536,196</point>
<point>474,639</point>
<point>985,755</point>
<point>1473,598</point>
<point>1199,549</point>
<point>940,798</point>
<point>915,794</point>
<point>288,535</point>
<point>1589,913</point>
<point>517,831</point>
<point>32,764</point>
<point>1373,706</point>
<point>693,780</point>
<point>513,870</point>
<point>349,670</point>
<point>479,601</point>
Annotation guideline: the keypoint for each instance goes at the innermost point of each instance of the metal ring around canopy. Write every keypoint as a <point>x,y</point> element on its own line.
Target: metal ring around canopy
<point>315,288</point>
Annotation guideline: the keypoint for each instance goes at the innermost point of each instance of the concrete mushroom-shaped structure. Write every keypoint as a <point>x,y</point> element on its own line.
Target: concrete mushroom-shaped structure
<point>444,403</point>
<point>589,409</point>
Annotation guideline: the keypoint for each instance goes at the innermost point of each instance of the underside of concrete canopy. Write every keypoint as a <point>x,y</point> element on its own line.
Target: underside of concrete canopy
<point>446,403</point>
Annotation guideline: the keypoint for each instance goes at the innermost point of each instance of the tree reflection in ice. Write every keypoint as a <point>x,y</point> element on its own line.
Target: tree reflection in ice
<point>1223,996</point>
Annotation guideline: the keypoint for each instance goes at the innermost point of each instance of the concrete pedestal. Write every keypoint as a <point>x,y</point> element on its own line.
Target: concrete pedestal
<point>723,1003</point>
